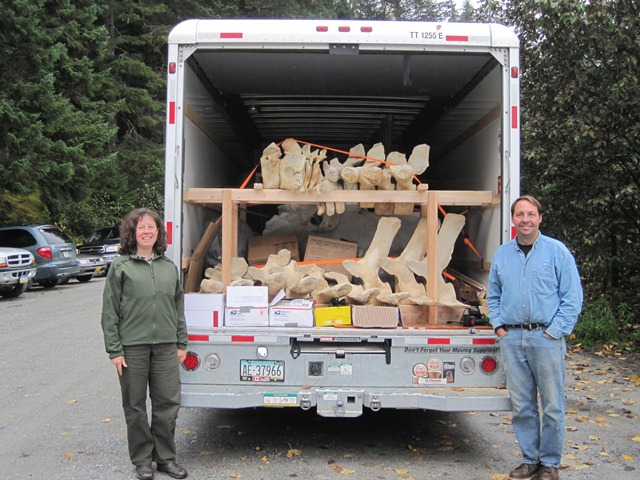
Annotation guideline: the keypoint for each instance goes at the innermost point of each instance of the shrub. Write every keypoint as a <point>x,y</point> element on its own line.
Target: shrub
<point>601,323</point>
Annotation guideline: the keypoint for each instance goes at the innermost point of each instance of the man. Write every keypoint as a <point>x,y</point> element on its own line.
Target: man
<point>535,298</point>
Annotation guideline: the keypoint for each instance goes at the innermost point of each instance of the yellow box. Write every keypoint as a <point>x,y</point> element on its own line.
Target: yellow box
<point>327,316</point>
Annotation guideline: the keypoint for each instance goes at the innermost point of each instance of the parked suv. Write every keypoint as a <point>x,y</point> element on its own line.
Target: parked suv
<point>104,242</point>
<point>17,267</point>
<point>53,250</point>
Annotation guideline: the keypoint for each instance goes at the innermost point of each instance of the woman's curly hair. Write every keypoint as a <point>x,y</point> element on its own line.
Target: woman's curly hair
<point>128,243</point>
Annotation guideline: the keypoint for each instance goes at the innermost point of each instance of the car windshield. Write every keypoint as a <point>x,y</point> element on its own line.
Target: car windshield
<point>104,234</point>
<point>54,235</point>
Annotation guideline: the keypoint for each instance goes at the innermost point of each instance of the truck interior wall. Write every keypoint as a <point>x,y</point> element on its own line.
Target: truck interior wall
<point>205,166</point>
<point>458,170</point>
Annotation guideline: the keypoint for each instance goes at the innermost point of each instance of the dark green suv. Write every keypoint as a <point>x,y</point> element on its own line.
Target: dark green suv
<point>54,251</point>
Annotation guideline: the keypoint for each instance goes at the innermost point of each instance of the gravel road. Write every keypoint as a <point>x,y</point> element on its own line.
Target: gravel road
<point>60,417</point>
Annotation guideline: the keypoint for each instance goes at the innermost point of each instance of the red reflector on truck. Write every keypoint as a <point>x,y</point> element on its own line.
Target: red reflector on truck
<point>483,341</point>
<point>172,113</point>
<point>169,233</point>
<point>457,38</point>
<point>198,338</point>
<point>322,29</point>
<point>344,29</point>
<point>172,67</point>
<point>514,117</point>
<point>230,35</point>
<point>438,341</point>
<point>242,338</point>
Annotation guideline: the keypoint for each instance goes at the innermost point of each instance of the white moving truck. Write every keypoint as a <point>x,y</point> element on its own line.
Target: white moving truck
<point>235,86</point>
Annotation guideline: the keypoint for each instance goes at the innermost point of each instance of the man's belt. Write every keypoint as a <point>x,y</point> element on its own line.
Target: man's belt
<point>525,326</point>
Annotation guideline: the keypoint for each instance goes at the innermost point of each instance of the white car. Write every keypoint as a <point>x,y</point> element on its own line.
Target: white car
<point>17,267</point>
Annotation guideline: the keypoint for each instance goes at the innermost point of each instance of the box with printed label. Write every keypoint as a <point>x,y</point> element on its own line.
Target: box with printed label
<point>291,312</point>
<point>247,307</point>
<point>203,310</point>
<point>328,316</point>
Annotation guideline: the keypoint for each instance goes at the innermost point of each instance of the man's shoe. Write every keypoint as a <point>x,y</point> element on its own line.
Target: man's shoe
<point>524,471</point>
<point>548,473</point>
<point>172,469</point>
<point>144,472</point>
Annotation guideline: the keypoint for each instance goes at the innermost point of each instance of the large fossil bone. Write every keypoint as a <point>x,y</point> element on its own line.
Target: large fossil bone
<point>270,166</point>
<point>449,231</point>
<point>368,266</point>
<point>405,279</point>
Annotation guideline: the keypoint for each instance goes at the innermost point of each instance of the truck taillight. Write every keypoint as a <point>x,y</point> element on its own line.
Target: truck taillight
<point>489,365</point>
<point>191,361</point>
<point>45,252</point>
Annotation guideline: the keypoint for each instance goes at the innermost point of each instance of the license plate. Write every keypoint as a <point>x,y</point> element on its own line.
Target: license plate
<point>262,371</point>
<point>24,279</point>
<point>98,269</point>
<point>65,254</point>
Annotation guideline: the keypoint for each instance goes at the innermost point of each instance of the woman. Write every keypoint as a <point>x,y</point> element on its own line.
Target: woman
<point>146,338</point>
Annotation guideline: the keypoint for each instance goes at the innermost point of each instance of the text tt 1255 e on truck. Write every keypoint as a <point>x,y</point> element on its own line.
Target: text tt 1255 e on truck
<point>234,87</point>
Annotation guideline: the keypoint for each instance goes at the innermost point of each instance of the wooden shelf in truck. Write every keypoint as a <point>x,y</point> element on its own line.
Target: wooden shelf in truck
<point>428,200</point>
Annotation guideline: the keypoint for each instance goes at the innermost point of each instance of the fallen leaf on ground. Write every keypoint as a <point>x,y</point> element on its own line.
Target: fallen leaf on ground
<point>293,453</point>
<point>106,420</point>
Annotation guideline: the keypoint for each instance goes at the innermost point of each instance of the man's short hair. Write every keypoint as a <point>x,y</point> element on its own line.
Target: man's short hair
<point>529,198</point>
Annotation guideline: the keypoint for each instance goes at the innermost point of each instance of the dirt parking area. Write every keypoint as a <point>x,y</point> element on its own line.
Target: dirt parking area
<point>602,408</point>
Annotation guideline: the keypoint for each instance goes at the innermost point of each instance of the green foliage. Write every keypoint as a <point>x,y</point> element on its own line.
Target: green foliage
<point>581,131</point>
<point>601,323</point>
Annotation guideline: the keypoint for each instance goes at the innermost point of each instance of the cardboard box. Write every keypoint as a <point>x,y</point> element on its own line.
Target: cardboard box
<point>247,307</point>
<point>291,312</point>
<point>261,247</point>
<point>204,310</point>
<point>374,317</point>
<point>328,316</point>
<point>417,316</point>
<point>320,248</point>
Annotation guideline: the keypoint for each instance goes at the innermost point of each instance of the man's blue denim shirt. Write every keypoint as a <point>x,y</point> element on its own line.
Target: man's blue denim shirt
<point>542,287</point>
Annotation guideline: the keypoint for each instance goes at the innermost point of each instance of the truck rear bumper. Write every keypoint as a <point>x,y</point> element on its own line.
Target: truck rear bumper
<point>341,402</point>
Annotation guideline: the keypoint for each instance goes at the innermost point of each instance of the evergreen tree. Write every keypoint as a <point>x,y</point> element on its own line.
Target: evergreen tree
<point>54,118</point>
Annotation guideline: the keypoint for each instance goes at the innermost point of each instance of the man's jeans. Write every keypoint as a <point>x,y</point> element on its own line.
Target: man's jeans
<point>535,365</point>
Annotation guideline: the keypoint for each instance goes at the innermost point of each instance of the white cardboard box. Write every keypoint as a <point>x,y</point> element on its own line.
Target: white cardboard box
<point>247,307</point>
<point>291,312</point>
<point>204,310</point>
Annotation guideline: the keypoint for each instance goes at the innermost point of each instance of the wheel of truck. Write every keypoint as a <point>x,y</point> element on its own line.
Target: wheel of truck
<point>15,291</point>
<point>63,281</point>
<point>84,278</point>
<point>49,283</point>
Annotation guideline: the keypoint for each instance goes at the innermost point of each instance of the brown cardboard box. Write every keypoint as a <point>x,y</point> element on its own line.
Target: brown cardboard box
<point>374,317</point>
<point>261,247</point>
<point>321,248</point>
<point>417,316</point>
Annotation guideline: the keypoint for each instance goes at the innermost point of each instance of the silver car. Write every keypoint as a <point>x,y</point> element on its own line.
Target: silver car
<point>53,250</point>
